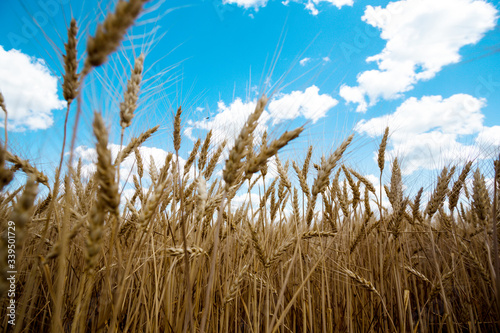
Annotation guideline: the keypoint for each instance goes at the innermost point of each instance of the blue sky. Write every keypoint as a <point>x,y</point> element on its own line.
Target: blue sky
<point>428,69</point>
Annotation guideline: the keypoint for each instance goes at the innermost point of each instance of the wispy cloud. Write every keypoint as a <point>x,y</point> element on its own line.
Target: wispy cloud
<point>247,3</point>
<point>310,5</point>
<point>304,61</point>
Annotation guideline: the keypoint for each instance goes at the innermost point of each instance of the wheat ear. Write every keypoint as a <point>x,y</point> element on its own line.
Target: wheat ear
<point>70,83</point>
<point>4,108</point>
<point>323,176</point>
<point>239,151</point>
<point>131,96</point>
<point>254,164</point>
<point>26,167</point>
<point>326,167</point>
<point>105,171</point>
<point>457,186</point>
<point>480,197</point>
<point>204,151</point>
<point>110,33</point>
<point>6,175</point>
<point>134,143</point>
<point>440,192</point>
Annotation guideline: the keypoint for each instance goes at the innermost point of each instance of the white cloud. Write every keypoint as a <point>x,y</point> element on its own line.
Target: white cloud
<point>308,104</point>
<point>304,61</point>
<point>425,131</point>
<point>326,59</point>
<point>247,3</point>
<point>489,136</point>
<point>227,123</point>
<point>30,91</point>
<point>312,8</point>
<point>311,5</point>
<point>129,165</point>
<point>422,37</point>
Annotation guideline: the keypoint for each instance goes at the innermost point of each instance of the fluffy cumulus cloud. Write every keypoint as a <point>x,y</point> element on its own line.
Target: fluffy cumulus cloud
<point>489,137</point>
<point>425,132</point>
<point>227,123</point>
<point>30,91</point>
<point>422,37</point>
<point>309,104</point>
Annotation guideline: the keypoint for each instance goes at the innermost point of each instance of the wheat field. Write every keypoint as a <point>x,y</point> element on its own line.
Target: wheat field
<point>321,252</point>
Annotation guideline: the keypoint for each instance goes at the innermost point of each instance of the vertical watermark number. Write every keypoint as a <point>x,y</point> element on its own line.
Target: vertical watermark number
<point>11,272</point>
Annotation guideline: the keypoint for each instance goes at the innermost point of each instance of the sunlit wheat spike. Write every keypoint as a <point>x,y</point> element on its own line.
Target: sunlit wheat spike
<point>27,168</point>
<point>440,192</point>
<point>415,206</point>
<point>242,143</point>
<point>457,186</point>
<point>396,191</point>
<point>177,129</point>
<point>356,195</point>
<point>307,161</point>
<point>6,175</point>
<point>264,167</point>
<point>364,180</point>
<point>192,156</point>
<point>255,163</point>
<point>302,180</point>
<point>480,197</point>
<point>201,199</point>
<point>283,174</point>
<point>381,150</point>
<point>134,143</point>
<point>70,83</point>
<point>110,33</point>
<point>105,170</point>
<point>326,167</point>
<point>131,96</point>
<point>214,159</point>
<point>204,151</point>
<point>139,161</point>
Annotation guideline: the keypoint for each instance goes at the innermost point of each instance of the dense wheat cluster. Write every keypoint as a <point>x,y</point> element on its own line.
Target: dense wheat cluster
<point>321,252</point>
